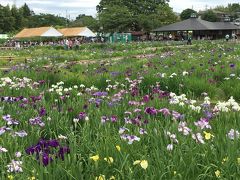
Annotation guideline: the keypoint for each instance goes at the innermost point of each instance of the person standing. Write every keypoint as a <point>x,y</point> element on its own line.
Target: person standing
<point>227,37</point>
<point>189,39</point>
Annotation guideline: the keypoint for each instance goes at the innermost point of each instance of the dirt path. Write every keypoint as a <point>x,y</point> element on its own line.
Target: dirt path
<point>91,61</point>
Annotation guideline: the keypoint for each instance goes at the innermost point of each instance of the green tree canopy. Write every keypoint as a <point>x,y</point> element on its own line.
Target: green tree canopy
<point>231,9</point>
<point>84,20</point>
<point>7,21</point>
<point>14,19</point>
<point>47,20</point>
<point>115,19</point>
<point>209,15</point>
<point>26,11</point>
<point>187,13</point>
<point>134,15</point>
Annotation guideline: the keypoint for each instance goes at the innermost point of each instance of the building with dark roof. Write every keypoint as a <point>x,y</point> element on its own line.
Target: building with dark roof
<point>199,28</point>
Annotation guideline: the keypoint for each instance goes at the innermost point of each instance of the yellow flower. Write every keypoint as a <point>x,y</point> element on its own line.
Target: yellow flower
<point>207,135</point>
<point>118,148</point>
<point>136,162</point>
<point>112,178</point>
<point>95,158</point>
<point>217,173</point>
<point>32,178</point>
<point>143,163</point>
<point>174,173</point>
<point>238,160</point>
<point>101,177</point>
<point>109,159</point>
<point>224,160</point>
<point>10,177</point>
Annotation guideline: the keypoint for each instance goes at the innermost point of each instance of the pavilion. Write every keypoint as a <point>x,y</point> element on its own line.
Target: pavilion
<point>200,29</point>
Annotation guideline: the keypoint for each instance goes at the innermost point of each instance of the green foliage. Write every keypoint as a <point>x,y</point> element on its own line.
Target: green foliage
<point>6,19</point>
<point>125,15</point>
<point>26,11</point>
<point>116,19</point>
<point>47,20</point>
<point>232,9</point>
<point>14,19</point>
<point>83,20</point>
<point>186,14</point>
<point>209,15</point>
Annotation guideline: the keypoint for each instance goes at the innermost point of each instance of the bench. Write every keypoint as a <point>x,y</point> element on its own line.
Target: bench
<point>13,58</point>
<point>7,48</point>
<point>5,69</point>
<point>9,58</point>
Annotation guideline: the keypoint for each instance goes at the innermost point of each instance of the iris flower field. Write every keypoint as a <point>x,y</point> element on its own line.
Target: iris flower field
<point>121,111</point>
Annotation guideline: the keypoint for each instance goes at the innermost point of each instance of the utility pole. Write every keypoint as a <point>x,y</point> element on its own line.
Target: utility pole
<point>15,3</point>
<point>206,7</point>
<point>66,18</point>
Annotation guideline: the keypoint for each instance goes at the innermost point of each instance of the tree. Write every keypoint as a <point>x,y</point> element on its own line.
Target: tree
<point>209,15</point>
<point>47,20</point>
<point>6,19</point>
<point>235,7</point>
<point>115,19</point>
<point>84,20</point>
<point>164,15</point>
<point>234,10</point>
<point>20,21</point>
<point>13,19</point>
<point>134,15</point>
<point>26,11</point>
<point>186,14</point>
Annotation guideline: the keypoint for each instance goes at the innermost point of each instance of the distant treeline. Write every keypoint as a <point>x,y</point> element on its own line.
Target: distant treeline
<point>112,16</point>
<point>13,19</point>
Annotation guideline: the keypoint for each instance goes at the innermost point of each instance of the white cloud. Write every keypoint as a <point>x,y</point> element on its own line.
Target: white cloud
<point>180,5</point>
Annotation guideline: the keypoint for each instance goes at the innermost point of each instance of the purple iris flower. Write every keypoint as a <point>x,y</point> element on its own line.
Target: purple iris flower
<point>9,120</point>
<point>208,114</point>
<point>46,159</point>
<point>176,115</point>
<point>165,111</point>
<point>151,111</point>
<point>21,133</point>
<point>62,151</point>
<point>114,118</point>
<point>45,150</point>
<point>100,94</point>
<point>37,121</point>
<point>53,143</point>
<point>82,115</point>
<point>42,112</point>
<point>146,98</point>
<point>30,150</point>
<point>36,98</point>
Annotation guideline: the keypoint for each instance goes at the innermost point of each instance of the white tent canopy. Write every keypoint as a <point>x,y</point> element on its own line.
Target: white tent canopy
<point>39,32</point>
<point>77,31</point>
<point>52,32</point>
<point>87,33</point>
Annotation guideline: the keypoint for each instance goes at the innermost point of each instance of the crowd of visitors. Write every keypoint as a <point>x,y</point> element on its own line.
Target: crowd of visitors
<point>67,43</point>
<point>70,43</point>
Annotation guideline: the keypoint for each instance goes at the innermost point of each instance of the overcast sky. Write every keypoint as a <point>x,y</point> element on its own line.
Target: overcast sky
<point>75,7</point>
